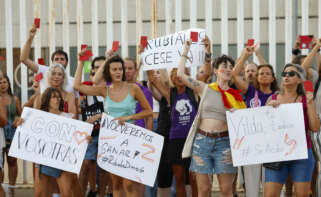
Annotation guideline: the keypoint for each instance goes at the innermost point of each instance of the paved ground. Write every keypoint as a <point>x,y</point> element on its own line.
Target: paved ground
<point>28,192</point>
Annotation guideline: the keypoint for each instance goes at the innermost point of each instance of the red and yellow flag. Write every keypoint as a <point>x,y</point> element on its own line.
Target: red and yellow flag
<point>231,98</point>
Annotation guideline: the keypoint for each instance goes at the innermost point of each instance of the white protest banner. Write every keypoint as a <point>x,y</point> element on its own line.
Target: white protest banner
<point>267,134</point>
<point>166,51</point>
<point>51,140</point>
<point>129,151</point>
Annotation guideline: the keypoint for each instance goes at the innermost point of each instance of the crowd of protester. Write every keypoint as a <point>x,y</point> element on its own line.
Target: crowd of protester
<point>196,140</point>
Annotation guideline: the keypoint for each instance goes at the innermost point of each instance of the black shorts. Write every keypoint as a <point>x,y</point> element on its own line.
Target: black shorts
<point>171,154</point>
<point>165,170</point>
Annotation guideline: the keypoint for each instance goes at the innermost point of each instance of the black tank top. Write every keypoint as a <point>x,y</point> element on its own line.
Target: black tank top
<point>163,121</point>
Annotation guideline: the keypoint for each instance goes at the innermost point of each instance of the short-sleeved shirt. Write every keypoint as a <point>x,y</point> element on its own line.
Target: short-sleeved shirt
<point>250,97</point>
<point>149,97</point>
<point>44,69</point>
<point>183,113</point>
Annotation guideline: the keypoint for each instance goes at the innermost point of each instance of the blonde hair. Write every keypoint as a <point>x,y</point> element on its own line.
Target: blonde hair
<point>173,73</point>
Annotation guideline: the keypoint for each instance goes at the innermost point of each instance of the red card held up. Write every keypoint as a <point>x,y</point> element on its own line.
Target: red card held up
<point>194,36</point>
<point>38,77</point>
<point>115,46</point>
<point>143,41</point>
<point>37,22</point>
<point>83,46</point>
<point>305,41</point>
<point>86,55</point>
<point>41,61</point>
<point>308,86</point>
<point>250,42</point>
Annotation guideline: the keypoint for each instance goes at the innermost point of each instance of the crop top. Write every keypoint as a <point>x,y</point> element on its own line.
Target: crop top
<point>213,106</point>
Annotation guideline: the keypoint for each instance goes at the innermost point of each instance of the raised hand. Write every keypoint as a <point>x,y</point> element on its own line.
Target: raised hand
<point>207,44</point>
<point>32,31</point>
<point>187,47</point>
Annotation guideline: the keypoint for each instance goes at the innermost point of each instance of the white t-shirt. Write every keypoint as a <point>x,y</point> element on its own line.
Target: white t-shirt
<point>44,69</point>
<point>67,115</point>
<point>155,105</point>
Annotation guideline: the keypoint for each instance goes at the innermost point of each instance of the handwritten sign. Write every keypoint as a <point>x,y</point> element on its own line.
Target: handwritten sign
<point>129,151</point>
<point>267,134</point>
<point>165,52</point>
<point>51,140</point>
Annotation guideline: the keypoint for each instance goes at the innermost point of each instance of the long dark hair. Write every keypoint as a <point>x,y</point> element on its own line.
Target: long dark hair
<point>9,85</point>
<point>274,85</point>
<point>113,59</point>
<point>45,99</point>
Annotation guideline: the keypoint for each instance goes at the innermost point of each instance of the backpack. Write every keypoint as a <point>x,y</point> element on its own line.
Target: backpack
<point>90,110</point>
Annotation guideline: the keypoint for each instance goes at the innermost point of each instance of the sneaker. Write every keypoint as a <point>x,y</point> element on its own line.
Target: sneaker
<point>91,194</point>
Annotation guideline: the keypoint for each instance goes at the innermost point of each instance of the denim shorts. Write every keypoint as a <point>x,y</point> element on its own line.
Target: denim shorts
<point>299,170</point>
<point>50,171</point>
<point>209,155</point>
<point>92,149</point>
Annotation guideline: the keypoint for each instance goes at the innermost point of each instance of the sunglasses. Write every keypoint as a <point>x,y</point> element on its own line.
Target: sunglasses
<point>290,74</point>
<point>92,73</point>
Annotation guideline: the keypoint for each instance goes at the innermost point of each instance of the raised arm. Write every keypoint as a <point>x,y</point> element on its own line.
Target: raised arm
<point>99,76</point>
<point>296,48</point>
<point>259,56</point>
<point>25,53</point>
<point>163,89</point>
<point>318,60</point>
<point>308,61</point>
<point>194,84</point>
<point>155,93</point>
<point>314,122</point>
<point>139,62</point>
<point>36,88</point>
<point>85,89</point>
<point>239,82</point>
<point>208,58</point>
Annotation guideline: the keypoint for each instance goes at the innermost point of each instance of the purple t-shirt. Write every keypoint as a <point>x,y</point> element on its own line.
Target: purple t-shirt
<point>149,97</point>
<point>250,97</point>
<point>182,116</point>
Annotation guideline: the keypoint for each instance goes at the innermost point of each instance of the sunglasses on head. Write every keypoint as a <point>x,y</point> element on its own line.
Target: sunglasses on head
<point>290,74</point>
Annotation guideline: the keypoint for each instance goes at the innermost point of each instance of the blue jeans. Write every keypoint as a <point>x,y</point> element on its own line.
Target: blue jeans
<point>152,191</point>
<point>209,155</point>
<point>300,170</point>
